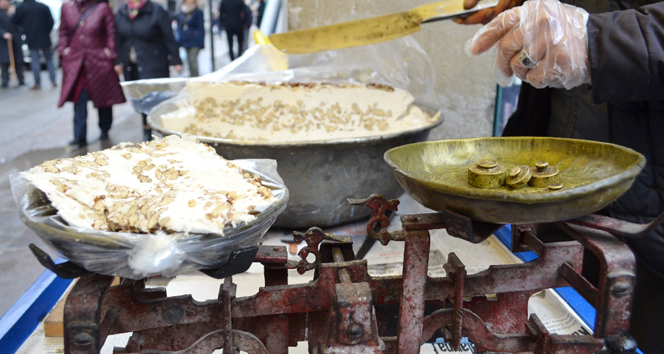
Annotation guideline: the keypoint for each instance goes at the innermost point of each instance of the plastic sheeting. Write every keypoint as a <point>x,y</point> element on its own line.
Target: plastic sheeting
<point>136,256</point>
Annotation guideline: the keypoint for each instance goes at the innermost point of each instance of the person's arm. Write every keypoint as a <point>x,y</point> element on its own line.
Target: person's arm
<point>63,36</point>
<point>626,55</point>
<point>17,18</point>
<point>6,35</point>
<point>110,50</point>
<point>119,40</point>
<point>109,28</point>
<point>167,33</point>
<point>199,21</point>
<point>49,18</point>
<point>222,14</point>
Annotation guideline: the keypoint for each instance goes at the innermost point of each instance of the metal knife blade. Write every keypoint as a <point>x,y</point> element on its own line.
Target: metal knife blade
<point>371,30</point>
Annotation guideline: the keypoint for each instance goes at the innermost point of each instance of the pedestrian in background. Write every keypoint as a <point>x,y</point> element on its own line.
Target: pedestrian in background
<point>87,51</point>
<point>233,16</point>
<point>36,23</point>
<point>146,45</point>
<point>9,34</point>
<point>248,21</point>
<point>191,33</point>
<point>260,11</point>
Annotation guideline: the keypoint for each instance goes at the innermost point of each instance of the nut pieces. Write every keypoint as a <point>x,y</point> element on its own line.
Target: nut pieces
<point>294,112</point>
<point>173,185</point>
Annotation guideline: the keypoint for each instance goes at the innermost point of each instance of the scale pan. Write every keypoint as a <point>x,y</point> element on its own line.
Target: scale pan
<point>593,174</point>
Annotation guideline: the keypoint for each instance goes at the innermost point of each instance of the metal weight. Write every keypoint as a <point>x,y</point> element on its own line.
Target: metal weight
<point>487,174</point>
<point>544,175</point>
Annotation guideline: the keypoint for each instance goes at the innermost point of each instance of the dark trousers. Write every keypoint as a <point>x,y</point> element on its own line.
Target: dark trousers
<point>131,74</point>
<point>5,73</point>
<point>239,33</point>
<point>81,118</point>
<point>35,65</point>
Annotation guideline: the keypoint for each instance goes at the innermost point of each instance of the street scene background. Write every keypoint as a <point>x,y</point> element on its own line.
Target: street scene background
<point>34,130</point>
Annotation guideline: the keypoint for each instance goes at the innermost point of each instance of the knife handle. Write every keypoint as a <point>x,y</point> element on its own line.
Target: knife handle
<point>449,9</point>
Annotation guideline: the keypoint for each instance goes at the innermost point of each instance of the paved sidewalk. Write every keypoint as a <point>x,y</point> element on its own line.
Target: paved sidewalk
<point>34,131</point>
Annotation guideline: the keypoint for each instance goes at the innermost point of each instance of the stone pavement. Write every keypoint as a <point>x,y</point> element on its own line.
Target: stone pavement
<point>34,130</point>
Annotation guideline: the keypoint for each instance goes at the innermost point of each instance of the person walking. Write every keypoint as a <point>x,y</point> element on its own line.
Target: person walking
<point>260,11</point>
<point>9,35</point>
<point>146,45</point>
<point>232,16</point>
<point>191,33</point>
<point>248,21</point>
<point>36,23</point>
<point>87,51</point>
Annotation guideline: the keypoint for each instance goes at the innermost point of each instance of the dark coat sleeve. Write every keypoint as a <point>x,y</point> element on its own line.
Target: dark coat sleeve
<point>109,28</point>
<point>121,58</point>
<point>222,13</point>
<point>171,44</point>
<point>17,18</point>
<point>48,18</point>
<point>63,35</point>
<point>626,54</point>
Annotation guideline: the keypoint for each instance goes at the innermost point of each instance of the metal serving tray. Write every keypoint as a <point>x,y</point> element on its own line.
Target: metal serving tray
<point>593,175</point>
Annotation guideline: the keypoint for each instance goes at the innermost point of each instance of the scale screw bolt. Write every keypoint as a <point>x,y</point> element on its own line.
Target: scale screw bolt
<point>354,331</point>
<point>625,344</point>
<point>620,289</point>
<point>83,341</point>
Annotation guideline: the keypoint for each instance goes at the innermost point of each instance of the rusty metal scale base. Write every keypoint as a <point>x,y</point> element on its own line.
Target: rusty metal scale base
<point>345,310</point>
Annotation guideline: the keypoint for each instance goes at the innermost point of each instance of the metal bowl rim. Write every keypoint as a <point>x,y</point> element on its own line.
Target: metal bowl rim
<point>527,198</point>
<point>343,141</point>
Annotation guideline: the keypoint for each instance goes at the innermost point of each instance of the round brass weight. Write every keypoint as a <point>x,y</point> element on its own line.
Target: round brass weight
<point>519,176</point>
<point>487,174</point>
<point>544,175</point>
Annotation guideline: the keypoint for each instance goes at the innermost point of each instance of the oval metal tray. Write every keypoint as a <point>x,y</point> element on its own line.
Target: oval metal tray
<point>322,174</point>
<point>593,175</point>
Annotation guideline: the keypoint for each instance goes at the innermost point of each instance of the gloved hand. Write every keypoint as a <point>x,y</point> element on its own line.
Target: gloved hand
<point>543,42</point>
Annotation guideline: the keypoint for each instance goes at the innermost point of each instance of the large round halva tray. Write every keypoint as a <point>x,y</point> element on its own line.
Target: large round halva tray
<point>593,175</point>
<point>320,174</point>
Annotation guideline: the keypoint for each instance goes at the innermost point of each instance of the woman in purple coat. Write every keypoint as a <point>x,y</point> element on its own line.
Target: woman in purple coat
<point>87,51</point>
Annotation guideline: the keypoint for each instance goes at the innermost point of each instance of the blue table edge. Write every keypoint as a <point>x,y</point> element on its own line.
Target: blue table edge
<point>23,317</point>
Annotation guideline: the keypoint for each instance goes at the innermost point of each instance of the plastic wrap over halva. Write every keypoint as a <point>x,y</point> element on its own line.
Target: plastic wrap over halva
<point>172,184</point>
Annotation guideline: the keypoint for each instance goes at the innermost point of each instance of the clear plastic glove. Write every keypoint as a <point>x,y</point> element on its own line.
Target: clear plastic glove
<point>543,42</point>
